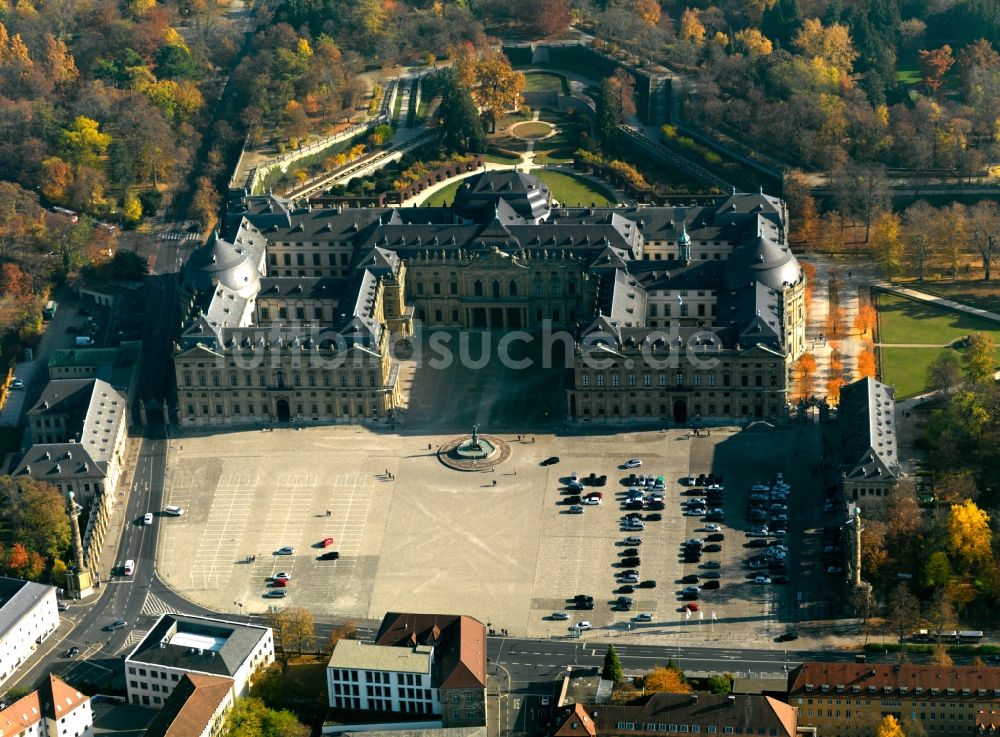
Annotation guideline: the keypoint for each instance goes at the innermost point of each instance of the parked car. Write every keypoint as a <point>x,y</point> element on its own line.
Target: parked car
<point>716,538</point>
<point>584,625</point>
<point>560,615</point>
<point>762,579</point>
<point>711,527</point>
<point>631,562</point>
<point>642,618</point>
<point>691,606</point>
<point>712,548</point>
<point>654,517</point>
<point>286,550</point>
<point>17,384</point>
<point>276,594</point>
<point>648,584</point>
<point>576,509</point>
<point>632,541</point>
<point>550,461</point>
<point>601,480</point>
<point>711,584</point>
<point>331,555</point>
<point>711,574</point>
<point>630,551</point>
<point>632,463</point>
<point>326,542</point>
<point>691,578</point>
<point>786,637</point>
<point>592,500</point>
<point>712,564</point>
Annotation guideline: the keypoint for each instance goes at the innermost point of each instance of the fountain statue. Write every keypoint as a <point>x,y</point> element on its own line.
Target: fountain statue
<point>475,436</point>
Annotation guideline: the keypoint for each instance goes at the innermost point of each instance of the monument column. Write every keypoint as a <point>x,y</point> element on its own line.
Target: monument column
<point>79,582</point>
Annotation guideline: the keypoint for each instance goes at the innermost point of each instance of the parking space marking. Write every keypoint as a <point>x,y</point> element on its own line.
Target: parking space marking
<point>211,566</point>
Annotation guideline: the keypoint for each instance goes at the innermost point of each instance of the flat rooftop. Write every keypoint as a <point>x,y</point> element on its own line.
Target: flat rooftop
<point>357,655</point>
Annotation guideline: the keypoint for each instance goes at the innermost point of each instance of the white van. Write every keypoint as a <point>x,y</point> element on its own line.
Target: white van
<point>129,568</point>
<point>174,511</point>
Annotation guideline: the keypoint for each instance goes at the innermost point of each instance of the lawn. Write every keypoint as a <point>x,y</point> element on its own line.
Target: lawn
<point>985,295</point>
<point>906,368</point>
<point>908,77</point>
<point>531,129</point>
<point>572,190</point>
<point>545,82</point>
<point>904,320</point>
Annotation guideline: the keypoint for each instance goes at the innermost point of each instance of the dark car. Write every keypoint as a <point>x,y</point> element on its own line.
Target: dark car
<point>655,506</point>
<point>633,515</point>
<point>584,605</point>
<point>626,589</point>
<point>779,579</point>
<point>654,517</point>
<point>691,578</point>
<point>637,504</point>
<point>572,499</point>
<point>786,637</point>
<point>711,584</point>
<point>621,574</point>
<point>630,552</point>
<point>716,537</point>
<point>624,599</point>
<point>692,557</point>
<point>601,481</point>
<point>550,461</point>
<point>622,607</point>
<point>631,561</point>
<point>583,597</point>
<point>72,652</point>
<point>757,542</point>
<point>650,584</point>
<point>689,595</point>
<point>332,555</point>
<point>73,329</point>
<point>116,625</point>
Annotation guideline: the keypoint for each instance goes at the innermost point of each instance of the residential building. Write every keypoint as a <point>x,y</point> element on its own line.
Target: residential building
<point>422,664</point>
<point>28,615</point>
<point>669,713</point>
<point>847,699</point>
<point>869,454</point>
<point>293,311</point>
<point>55,709</point>
<point>196,707</point>
<point>179,644</point>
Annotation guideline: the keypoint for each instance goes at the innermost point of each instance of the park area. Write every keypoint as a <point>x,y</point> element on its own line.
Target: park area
<point>568,189</point>
<point>913,334</point>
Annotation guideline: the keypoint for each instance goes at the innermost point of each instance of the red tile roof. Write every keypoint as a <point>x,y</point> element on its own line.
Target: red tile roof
<point>459,644</point>
<point>54,698</point>
<point>189,709</point>
<point>577,724</point>
<point>947,681</point>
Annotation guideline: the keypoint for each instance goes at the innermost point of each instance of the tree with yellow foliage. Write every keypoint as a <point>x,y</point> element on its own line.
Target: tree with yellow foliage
<point>889,727</point>
<point>83,142</point>
<point>753,43</point>
<point>830,43</point>
<point>887,243</point>
<point>969,534</point>
<point>692,29</point>
<point>648,10</point>
<point>667,679</point>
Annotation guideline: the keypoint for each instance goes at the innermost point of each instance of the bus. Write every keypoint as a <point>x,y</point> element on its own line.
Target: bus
<point>51,307</point>
<point>970,636</point>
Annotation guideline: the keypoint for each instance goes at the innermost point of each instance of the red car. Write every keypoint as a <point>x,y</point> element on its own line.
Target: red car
<point>327,542</point>
<point>691,606</point>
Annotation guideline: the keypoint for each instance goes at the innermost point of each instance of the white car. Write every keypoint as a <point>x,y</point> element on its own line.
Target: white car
<point>560,615</point>
<point>584,625</point>
<point>711,527</point>
<point>147,518</point>
<point>762,579</point>
<point>592,500</point>
<point>632,463</point>
<point>282,574</point>
<point>643,618</point>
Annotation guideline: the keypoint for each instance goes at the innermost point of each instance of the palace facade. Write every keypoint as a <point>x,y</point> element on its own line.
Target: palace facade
<point>293,311</point>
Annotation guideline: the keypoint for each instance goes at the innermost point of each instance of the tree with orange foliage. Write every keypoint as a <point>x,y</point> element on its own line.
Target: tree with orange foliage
<point>666,679</point>
<point>14,282</point>
<point>18,559</point>
<point>866,319</point>
<point>867,366</point>
<point>836,321</point>
<point>806,371</point>
<point>648,10</point>
<point>934,65</point>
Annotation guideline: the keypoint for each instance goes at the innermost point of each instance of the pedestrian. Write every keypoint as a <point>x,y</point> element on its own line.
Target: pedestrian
<point>387,472</point>
<point>494,482</point>
<point>515,472</point>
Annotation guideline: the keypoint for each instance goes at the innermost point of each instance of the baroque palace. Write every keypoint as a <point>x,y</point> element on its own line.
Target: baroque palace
<point>676,313</point>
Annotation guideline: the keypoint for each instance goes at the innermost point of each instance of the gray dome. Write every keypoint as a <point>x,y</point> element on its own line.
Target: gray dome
<point>220,262</point>
<point>764,261</point>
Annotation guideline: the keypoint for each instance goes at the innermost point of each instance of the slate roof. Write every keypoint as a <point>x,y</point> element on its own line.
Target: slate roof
<point>96,412</point>
<point>867,418</point>
<point>17,598</point>
<point>459,644</point>
<point>479,194</point>
<point>189,709</point>
<point>947,681</point>
<point>743,712</point>
<point>238,642</point>
<point>763,258</point>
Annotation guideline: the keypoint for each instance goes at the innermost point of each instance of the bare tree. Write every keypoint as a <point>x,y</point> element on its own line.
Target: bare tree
<point>940,614</point>
<point>984,230</point>
<point>872,187</point>
<point>903,611</point>
<point>919,228</point>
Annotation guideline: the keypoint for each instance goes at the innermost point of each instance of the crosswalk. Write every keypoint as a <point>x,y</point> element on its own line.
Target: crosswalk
<point>153,606</point>
<point>179,235</point>
<point>133,639</point>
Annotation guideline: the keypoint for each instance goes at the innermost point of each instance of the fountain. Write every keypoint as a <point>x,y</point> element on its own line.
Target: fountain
<point>474,453</point>
<point>475,448</point>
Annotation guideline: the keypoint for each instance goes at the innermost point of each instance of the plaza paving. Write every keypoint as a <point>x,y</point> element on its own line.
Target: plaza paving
<point>436,539</point>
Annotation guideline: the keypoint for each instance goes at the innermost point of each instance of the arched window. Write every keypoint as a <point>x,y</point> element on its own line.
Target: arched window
<point>496,289</point>
<point>513,288</point>
<point>477,288</point>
